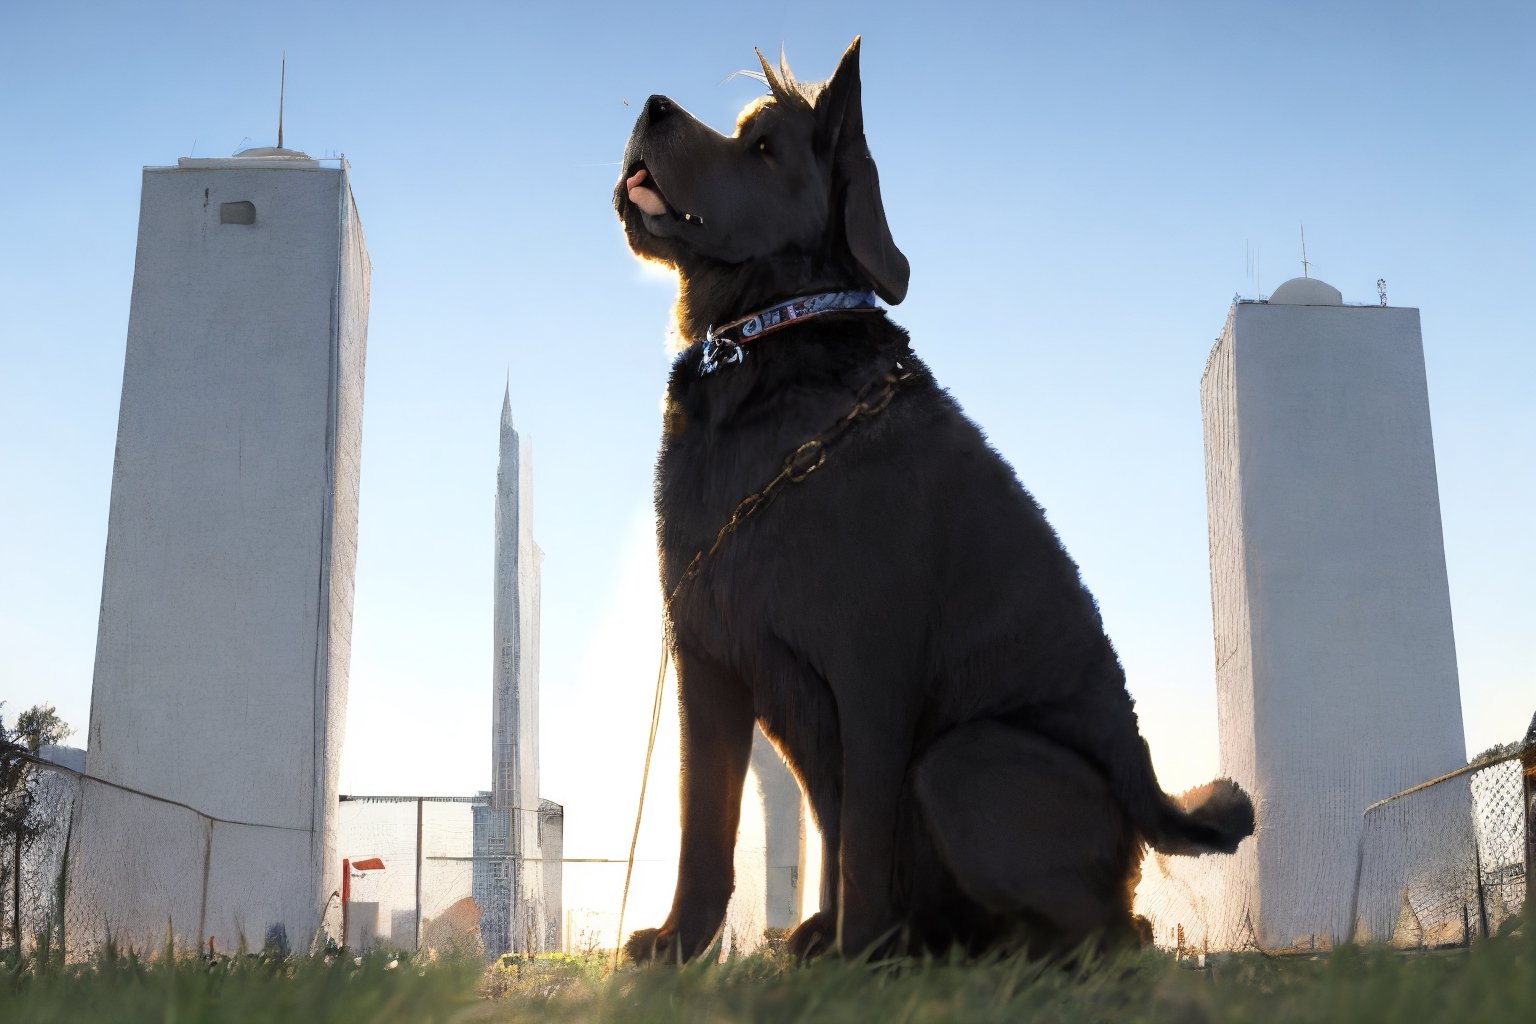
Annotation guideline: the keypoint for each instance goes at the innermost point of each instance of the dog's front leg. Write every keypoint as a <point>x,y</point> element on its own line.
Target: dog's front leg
<point>875,761</point>
<point>716,744</point>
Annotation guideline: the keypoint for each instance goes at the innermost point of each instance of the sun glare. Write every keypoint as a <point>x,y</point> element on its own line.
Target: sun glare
<point>603,721</point>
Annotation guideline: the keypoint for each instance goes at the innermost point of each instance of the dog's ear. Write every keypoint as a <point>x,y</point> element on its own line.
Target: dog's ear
<point>840,131</point>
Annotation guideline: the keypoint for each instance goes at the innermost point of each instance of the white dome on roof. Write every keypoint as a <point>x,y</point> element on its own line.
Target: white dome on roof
<point>1306,291</point>
<point>268,152</point>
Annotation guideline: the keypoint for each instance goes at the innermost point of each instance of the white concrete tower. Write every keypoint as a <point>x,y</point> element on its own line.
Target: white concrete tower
<point>226,612</point>
<point>515,692</point>
<point>1335,659</point>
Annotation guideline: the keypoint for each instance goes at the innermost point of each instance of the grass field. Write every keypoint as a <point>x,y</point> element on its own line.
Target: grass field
<point>1494,981</point>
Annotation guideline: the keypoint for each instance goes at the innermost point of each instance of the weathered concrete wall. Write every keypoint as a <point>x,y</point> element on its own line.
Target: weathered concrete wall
<point>224,639</point>
<point>1336,663</point>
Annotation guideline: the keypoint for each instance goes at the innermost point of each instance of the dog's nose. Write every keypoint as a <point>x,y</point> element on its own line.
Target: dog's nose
<point>658,107</point>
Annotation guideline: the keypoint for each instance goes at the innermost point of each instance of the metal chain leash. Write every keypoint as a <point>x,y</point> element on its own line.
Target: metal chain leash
<point>871,400</point>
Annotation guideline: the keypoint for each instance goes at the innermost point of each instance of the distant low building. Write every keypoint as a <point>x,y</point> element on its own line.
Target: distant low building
<point>72,758</point>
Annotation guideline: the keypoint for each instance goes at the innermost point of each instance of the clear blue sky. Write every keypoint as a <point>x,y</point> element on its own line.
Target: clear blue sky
<point>1077,186</point>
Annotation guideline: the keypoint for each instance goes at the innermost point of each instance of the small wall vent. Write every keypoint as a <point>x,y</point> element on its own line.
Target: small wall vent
<point>237,213</point>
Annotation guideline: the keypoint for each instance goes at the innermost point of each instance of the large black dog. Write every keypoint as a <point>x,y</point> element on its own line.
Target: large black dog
<point>901,621</point>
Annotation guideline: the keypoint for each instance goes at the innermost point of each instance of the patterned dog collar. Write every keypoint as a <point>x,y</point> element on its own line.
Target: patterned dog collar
<point>723,345</point>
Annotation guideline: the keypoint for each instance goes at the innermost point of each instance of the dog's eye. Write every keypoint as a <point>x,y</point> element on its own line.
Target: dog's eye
<point>762,144</point>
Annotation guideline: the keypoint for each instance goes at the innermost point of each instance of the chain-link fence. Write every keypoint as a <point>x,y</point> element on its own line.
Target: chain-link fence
<point>440,874</point>
<point>1448,860</point>
<point>1441,863</point>
<point>32,854</point>
<point>72,894</point>
<point>101,862</point>
<point>1197,903</point>
<point>419,883</point>
<point>424,894</point>
<point>425,873</point>
<point>448,884</point>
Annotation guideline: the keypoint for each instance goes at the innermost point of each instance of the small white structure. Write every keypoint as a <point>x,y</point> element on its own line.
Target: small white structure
<point>1335,660</point>
<point>226,612</point>
<point>362,925</point>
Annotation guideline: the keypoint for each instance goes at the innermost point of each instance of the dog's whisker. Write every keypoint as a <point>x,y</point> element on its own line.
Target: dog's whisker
<point>756,76</point>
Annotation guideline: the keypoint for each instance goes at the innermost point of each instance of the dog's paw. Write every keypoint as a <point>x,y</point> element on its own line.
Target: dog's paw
<point>1141,930</point>
<point>653,946</point>
<point>641,947</point>
<point>814,936</point>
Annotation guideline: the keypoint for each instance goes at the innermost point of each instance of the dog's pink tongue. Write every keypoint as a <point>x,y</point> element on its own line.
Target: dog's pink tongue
<point>648,199</point>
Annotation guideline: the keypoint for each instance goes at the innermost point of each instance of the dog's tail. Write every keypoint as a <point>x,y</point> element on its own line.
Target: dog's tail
<point>1209,819</point>
<point>1212,818</point>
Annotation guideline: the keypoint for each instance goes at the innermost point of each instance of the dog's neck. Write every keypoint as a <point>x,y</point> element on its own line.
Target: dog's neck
<point>719,294</point>
<point>724,345</point>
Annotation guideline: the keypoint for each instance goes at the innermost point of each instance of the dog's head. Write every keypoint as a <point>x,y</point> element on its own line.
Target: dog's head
<point>787,205</point>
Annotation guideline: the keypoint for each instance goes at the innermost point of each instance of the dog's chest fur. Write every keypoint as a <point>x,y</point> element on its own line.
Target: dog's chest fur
<point>728,434</point>
<point>911,506</point>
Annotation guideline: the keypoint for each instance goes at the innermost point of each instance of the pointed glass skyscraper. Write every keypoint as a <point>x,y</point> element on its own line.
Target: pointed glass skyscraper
<point>517,838</point>
<point>515,701</point>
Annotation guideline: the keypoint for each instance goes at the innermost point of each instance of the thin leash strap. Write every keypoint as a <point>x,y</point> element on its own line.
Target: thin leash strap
<point>645,775</point>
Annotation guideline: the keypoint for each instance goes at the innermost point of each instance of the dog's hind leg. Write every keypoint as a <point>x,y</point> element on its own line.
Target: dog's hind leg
<point>876,757</point>
<point>1030,832</point>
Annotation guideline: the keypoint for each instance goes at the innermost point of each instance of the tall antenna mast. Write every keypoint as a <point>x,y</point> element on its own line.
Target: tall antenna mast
<point>282,88</point>
<point>1305,266</point>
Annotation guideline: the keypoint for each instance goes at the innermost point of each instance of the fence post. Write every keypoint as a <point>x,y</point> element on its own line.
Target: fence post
<point>16,908</point>
<point>202,907</point>
<point>1528,800</point>
<point>419,803</point>
<point>1482,894</point>
<point>61,890</point>
<point>346,897</point>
